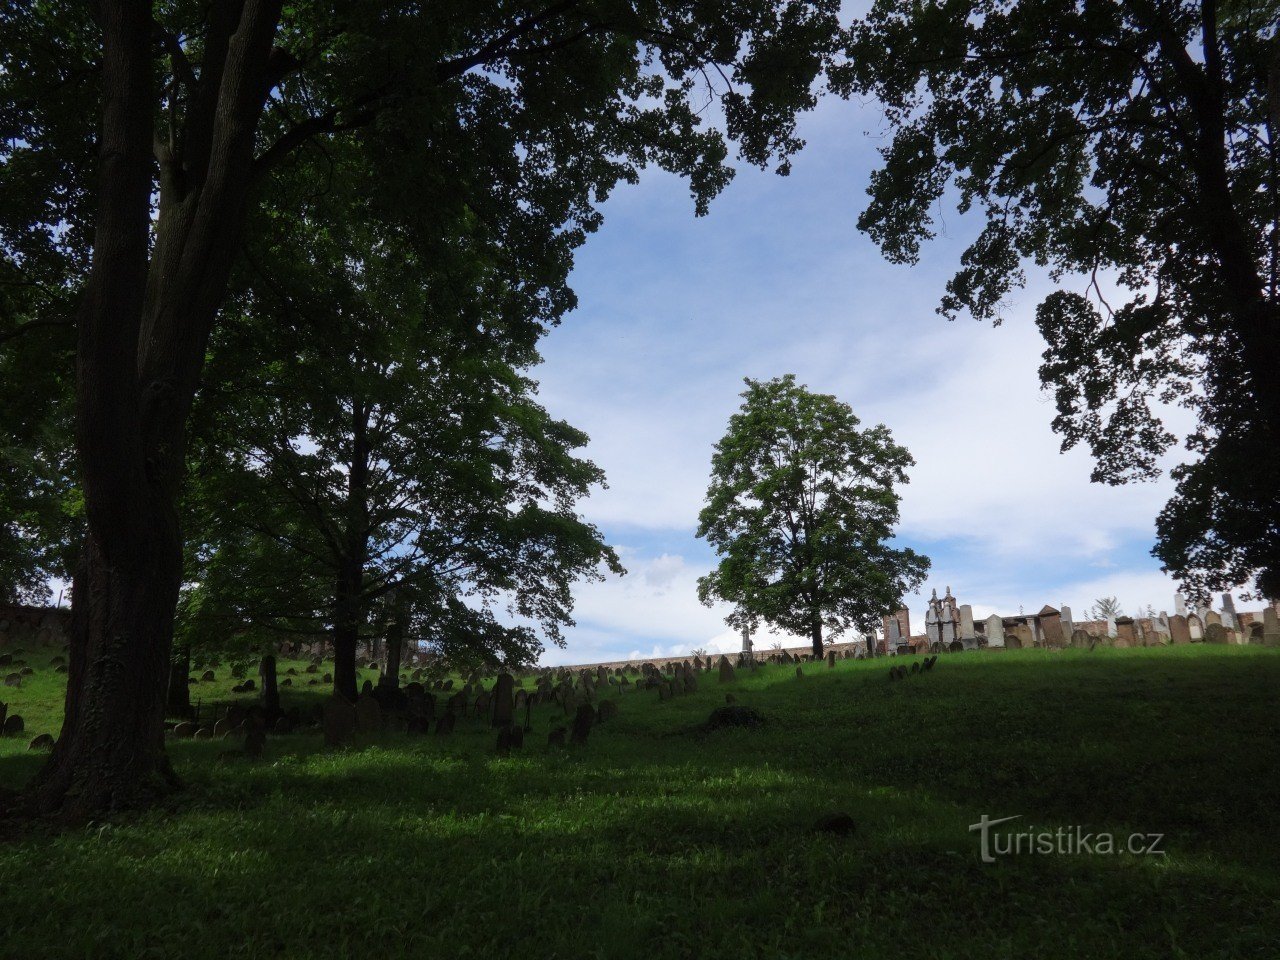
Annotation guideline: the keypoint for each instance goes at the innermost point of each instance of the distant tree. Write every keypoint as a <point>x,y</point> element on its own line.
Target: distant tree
<point>1134,143</point>
<point>1104,608</point>
<point>801,508</point>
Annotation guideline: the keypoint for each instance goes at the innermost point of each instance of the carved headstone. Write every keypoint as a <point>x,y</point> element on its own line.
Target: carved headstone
<point>1195,628</point>
<point>1270,626</point>
<point>995,631</point>
<point>1178,631</point>
<point>1215,633</point>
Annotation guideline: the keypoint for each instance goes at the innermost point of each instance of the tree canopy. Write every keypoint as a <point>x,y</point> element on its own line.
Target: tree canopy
<point>1130,144</point>
<point>801,509</point>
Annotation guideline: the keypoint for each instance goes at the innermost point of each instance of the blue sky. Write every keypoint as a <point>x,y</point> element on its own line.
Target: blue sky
<point>675,310</point>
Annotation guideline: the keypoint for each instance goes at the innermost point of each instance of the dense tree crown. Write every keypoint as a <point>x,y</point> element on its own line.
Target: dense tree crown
<point>801,508</point>
<point>1134,143</point>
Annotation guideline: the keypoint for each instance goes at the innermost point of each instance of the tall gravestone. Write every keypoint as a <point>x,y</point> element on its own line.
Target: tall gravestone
<point>995,631</point>
<point>503,700</point>
<point>1178,631</point>
<point>1229,619</point>
<point>1270,626</point>
<point>270,692</point>
<point>1068,624</point>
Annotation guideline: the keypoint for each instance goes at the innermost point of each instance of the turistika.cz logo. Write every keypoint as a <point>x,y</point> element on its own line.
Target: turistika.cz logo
<point>1071,841</point>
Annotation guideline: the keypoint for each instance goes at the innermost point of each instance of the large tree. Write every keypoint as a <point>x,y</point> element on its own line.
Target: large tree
<point>1134,144</point>
<point>138,138</point>
<point>802,508</point>
<point>420,465</point>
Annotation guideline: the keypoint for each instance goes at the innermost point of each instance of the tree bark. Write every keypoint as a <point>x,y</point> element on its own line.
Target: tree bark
<point>143,327</point>
<point>815,634</point>
<point>349,601</point>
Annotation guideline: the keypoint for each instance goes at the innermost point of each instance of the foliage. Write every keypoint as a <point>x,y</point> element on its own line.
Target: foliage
<point>801,508</point>
<point>1132,144</point>
<point>1104,608</point>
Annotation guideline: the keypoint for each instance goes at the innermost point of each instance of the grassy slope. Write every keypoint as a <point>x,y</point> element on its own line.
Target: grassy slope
<point>661,841</point>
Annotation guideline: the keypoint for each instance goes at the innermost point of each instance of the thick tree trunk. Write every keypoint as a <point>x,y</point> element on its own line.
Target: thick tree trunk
<point>142,329</point>
<point>270,692</point>
<point>110,755</point>
<point>395,642</point>
<point>815,634</point>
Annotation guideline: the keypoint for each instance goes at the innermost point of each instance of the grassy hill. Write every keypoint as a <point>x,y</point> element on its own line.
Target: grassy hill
<point>660,839</point>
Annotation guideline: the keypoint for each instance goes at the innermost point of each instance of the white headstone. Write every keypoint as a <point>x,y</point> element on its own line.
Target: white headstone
<point>995,631</point>
<point>1179,605</point>
<point>1111,626</point>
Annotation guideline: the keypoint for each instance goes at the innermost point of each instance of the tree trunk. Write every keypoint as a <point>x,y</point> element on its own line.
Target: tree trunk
<point>142,328</point>
<point>110,755</point>
<point>395,642</point>
<point>270,692</point>
<point>815,633</point>
<point>349,600</point>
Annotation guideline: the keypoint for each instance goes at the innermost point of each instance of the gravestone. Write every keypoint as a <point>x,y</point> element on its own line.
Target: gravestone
<point>555,738</point>
<point>185,730</point>
<point>13,680</point>
<point>995,631</point>
<point>368,714</point>
<point>1270,626</point>
<point>446,723</point>
<point>1195,628</point>
<point>1210,618</point>
<point>1255,632</point>
<point>608,710</point>
<point>1215,633</point>
<point>583,721</point>
<point>1229,619</point>
<point>503,700</point>
<point>339,721</point>
<point>270,695</point>
<point>1079,639</point>
<point>43,742</point>
<point>1126,632</point>
<point>1178,630</point>
<point>831,658</point>
<point>726,670</point>
<point>967,633</point>
<point>13,725</point>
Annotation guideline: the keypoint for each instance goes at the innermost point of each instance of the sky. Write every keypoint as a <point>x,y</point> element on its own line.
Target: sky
<point>674,311</point>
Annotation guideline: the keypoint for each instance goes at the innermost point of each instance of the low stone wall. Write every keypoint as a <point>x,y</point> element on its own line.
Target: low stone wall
<point>23,626</point>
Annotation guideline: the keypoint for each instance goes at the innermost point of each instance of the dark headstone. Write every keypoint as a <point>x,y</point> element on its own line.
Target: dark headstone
<point>185,730</point>
<point>13,725</point>
<point>734,716</point>
<point>836,824</point>
<point>42,742</point>
<point>445,726</point>
<point>583,721</point>
<point>503,700</point>
<point>556,737</point>
<point>368,714</point>
<point>726,670</point>
<point>208,676</point>
<point>339,721</point>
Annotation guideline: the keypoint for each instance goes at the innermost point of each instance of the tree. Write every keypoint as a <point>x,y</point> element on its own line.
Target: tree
<point>421,466</point>
<point>1104,608</point>
<point>137,143</point>
<point>801,508</point>
<point>1134,143</point>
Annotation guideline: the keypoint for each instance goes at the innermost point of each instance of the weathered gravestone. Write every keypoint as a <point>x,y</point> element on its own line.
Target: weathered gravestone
<point>1270,627</point>
<point>1080,639</point>
<point>831,658</point>
<point>1126,632</point>
<point>726,670</point>
<point>1195,628</point>
<point>13,680</point>
<point>1178,630</point>
<point>13,725</point>
<point>1215,633</point>
<point>339,721</point>
<point>43,742</point>
<point>504,700</point>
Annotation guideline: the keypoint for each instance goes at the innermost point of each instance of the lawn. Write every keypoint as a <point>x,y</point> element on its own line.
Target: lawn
<point>659,839</point>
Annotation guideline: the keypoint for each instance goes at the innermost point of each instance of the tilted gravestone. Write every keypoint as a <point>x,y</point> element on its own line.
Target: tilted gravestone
<point>1215,633</point>
<point>1179,633</point>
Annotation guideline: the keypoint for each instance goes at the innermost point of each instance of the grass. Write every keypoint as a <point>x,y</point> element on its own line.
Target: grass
<point>660,840</point>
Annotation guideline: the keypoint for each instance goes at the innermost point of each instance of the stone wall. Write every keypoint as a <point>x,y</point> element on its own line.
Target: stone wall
<point>22,626</point>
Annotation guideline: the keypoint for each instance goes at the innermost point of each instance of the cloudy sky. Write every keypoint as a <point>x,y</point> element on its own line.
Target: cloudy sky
<point>675,311</point>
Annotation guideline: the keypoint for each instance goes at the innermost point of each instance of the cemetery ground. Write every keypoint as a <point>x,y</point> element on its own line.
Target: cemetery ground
<point>660,838</point>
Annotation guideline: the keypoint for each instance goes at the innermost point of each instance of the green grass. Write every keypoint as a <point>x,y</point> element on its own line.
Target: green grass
<point>660,840</point>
